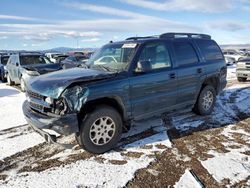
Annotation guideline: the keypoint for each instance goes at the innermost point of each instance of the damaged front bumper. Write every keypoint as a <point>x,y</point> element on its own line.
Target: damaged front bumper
<point>64,125</point>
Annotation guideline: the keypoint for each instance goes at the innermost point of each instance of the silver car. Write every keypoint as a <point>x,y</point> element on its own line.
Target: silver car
<point>22,67</point>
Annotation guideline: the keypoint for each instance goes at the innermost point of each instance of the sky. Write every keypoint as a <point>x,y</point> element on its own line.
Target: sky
<point>46,24</point>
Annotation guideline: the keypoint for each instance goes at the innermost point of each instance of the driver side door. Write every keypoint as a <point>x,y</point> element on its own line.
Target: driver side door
<point>154,92</point>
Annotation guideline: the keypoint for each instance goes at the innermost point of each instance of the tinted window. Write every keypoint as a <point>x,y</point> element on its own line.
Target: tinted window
<point>210,50</point>
<point>157,54</point>
<point>31,59</point>
<point>4,60</point>
<point>185,53</point>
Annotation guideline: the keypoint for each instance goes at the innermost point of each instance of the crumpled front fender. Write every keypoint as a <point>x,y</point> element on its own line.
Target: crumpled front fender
<point>76,97</point>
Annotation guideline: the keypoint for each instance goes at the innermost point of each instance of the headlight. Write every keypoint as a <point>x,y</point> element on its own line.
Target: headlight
<point>49,100</point>
<point>241,65</point>
<point>32,73</point>
<point>60,107</point>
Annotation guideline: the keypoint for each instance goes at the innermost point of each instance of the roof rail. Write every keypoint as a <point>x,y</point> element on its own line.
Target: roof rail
<point>138,38</point>
<point>185,35</point>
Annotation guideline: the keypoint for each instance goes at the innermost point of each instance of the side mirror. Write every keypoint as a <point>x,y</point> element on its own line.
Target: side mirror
<point>17,64</point>
<point>143,67</point>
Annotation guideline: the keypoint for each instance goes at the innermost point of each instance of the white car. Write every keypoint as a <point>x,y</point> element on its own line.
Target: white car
<point>52,56</point>
<point>234,54</point>
<point>105,60</point>
<point>230,60</point>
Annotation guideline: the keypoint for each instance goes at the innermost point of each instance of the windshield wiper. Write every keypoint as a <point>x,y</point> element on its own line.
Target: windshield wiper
<point>109,69</point>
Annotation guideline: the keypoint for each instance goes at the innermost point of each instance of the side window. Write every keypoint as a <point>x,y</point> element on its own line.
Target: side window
<point>157,54</point>
<point>185,53</point>
<point>210,50</point>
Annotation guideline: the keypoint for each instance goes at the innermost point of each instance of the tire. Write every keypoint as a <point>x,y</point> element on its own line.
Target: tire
<point>22,85</point>
<point>2,76</point>
<point>9,81</point>
<point>104,121</point>
<point>206,101</point>
<point>240,79</point>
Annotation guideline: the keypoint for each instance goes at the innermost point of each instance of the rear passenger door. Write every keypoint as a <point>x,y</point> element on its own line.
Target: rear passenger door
<point>189,71</point>
<point>155,91</point>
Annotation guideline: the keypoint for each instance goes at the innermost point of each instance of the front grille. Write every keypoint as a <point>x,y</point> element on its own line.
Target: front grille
<point>34,95</point>
<point>36,106</point>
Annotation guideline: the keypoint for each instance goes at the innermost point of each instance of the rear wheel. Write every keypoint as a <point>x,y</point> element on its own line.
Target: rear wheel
<point>101,130</point>
<point>240,79</point>
<point>206,101</point>
<point>10,82</point>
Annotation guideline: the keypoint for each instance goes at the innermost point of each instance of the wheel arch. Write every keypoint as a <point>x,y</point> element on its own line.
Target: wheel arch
<point>113,101</point>
<point>212,81</point>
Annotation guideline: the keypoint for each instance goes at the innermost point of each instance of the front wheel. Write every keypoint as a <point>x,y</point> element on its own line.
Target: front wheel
<point>206,101</point>
<point>100,130</point>
<point>9,81</point>
<point>22,85</point>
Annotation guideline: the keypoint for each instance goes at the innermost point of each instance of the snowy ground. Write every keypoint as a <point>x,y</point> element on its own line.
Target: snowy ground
<point>180,150</point>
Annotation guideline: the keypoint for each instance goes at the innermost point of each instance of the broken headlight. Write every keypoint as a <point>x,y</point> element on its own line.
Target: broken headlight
<point>49,100</point>
<point>60,106</point>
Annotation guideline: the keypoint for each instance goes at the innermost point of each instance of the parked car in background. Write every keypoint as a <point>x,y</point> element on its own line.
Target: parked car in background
<point>74,61</point>
<point>151,76</point>
<point>234,54</point>
<point>21,67</point>
<point>243,69</point>
<point>61,57</point>
<point>52,56</point>
<point>229,60</point>
<point>3,62</point>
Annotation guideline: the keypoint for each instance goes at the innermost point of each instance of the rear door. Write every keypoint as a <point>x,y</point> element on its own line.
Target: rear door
<point>189,71</point>
<point>155,91</point>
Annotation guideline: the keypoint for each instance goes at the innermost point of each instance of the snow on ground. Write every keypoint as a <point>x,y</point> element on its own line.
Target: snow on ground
<point>233,165</point>
<point>11,101</point>
<point>187,180</point>
<point>12,145</point>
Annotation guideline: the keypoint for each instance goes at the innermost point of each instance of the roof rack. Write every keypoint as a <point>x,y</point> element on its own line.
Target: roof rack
<point>138,38</point>
<point>185,35</point>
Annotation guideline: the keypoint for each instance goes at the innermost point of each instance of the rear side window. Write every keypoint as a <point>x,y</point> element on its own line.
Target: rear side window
<point>210,50</point>
<point>185,53</point>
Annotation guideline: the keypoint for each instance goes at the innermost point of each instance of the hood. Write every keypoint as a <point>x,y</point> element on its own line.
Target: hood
<point>43,68</point>
<point>53,84</point>
<point>244,59</point>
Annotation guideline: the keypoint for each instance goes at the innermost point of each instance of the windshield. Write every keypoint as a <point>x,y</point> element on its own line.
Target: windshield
<point>114,57</point>
<point>34,59</point>
<point>4,60</point>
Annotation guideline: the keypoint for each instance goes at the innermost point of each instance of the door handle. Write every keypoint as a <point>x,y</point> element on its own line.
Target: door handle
<point>199,70</point>
<point>172,75</point>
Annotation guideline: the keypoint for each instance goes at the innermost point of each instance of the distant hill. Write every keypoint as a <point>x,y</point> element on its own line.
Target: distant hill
<point>235,46</point>
<point>65,49</point>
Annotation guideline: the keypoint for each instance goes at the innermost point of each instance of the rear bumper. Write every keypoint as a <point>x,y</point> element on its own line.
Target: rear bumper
<point>243,73</point>
<point>64,125</point>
